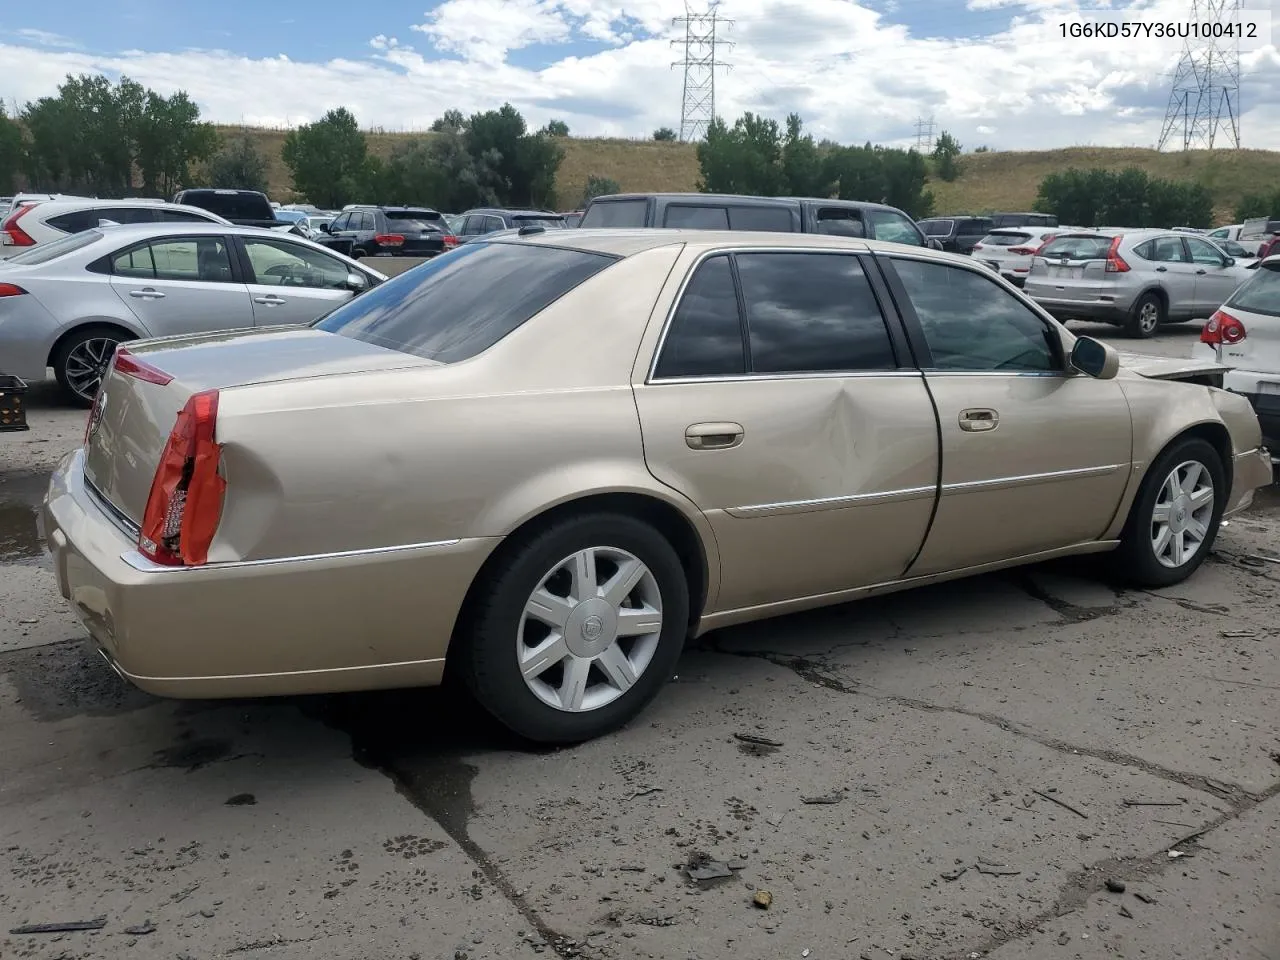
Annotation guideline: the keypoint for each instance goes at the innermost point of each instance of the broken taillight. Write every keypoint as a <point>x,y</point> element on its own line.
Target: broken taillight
<point>185,503</point>
<point>1222,328</point>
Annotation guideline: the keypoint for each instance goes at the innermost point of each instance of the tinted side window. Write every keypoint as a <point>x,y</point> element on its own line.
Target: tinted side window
<point>970,228</point>
<point>705,336</point>
<point>621,214</point>
<point>840,222</point>
<point>1202,252</point>
<point>341,222</point>
<point>180,216</point>
<point>812,313</point>
<point>135,262</point>
<point>894,227</point>
<point>972,323</point>
<point>125,214</point>
<point>696,218</point>
<point>73,222</point>
<point>768,219</point>
<point>452,308</point>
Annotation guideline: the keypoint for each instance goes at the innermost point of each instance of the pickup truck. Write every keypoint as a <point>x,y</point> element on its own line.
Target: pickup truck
<point>245,208</point>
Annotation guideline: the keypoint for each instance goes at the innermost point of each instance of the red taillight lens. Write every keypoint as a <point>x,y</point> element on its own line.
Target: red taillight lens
<point>1023,251</point>
<point>977,246</point>
<point>126,363</point>
<point>1115,263</point>
<point>450,241</point>
<point>389,240</point>
<point>185,503</point>
<point>1223,328</point>
<point>11,290</point>
<point>12,235</point>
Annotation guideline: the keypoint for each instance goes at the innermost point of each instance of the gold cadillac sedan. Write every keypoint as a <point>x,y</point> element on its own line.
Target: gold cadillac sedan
<point>540,463</point>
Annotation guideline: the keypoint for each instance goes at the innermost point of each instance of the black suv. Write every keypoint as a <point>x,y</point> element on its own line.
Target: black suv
<point>956,234</point>
<point>999,220</point>
<point>392,231</point>
<point>715,211</point>
<point>485,220</point>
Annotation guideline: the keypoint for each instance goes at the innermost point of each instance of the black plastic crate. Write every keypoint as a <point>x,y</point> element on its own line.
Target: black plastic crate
<point>13,406</point>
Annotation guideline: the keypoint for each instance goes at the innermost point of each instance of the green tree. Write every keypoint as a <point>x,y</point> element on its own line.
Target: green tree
<point>946,157</point>
<point>82,140</point>
<point>598,186</point>
<point>1129,198</point>
<point>168,137</point>
<point>905,175</point>
<point>556,128</point>
<point>1256,205</point>
<point>744,158</point>
<point>527,163</point>
<point>801,164</point>
<point>856,172</point>
<point>329,159</point>
<point>11,147</point>
<point>664,134</point>
<point>451,121</point>
<point>238,166</point>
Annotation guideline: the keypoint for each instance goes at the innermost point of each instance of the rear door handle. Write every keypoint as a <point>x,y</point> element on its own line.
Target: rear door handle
<point>271,299</point>
<point>713,436</point>
<point>977,420</point>
<point>1162,269</point>
<point>146,293</point>
<point>1201,272</point>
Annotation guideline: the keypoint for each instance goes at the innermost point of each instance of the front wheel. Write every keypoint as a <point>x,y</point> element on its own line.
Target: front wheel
<point>577,628</point>
<point>1174,520</point>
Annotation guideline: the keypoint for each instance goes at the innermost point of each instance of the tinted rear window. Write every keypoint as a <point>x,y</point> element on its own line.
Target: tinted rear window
<point>766,218</point>
<point>1077,248</point>
<point>690,217</point>
<point>232,206</point>
<point>1260,293</point>
<point>460,304</point>
<point>936,228</point>
<point>1005,239</point>
<point>538,220</point>
<point>412,226</point>
<point>409,214</point>
<point>616,213</point>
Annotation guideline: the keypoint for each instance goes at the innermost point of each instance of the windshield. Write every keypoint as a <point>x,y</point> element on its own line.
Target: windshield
<point>1077,248</point>
<point>462,303</point>
<point>56,248</point>
<point>1261,293</point>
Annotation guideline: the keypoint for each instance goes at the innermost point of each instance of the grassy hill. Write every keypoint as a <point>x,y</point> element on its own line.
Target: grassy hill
<point>1004,180</point>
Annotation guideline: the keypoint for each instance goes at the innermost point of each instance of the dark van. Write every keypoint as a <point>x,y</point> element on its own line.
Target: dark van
<point>715,211</point>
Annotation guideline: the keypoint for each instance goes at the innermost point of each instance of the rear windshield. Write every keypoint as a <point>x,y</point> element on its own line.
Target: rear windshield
<point>399,213</point>
<point>615,213</point>
<point>1005,239</point>
<point>1261,293</point>
<point>936,228</point>
<point>1077,248</point>
<point>232,206</point>
<point>411,226</point>
<point>536,220</point>
<point>462,303</point>
<point>54,249</point>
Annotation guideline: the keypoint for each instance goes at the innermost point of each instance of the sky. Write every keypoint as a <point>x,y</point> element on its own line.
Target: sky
<point>996,73</point>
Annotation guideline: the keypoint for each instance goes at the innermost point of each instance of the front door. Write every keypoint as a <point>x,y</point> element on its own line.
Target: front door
<point>1215,281</point>
<point>791,425</point>
<point>292,283</point>
<point>181,285</point>
<point>1033,458</point>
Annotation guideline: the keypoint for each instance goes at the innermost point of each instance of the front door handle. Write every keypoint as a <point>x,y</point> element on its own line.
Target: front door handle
<point>979,419</point>
<point>270,299</point>
<point>1201,272</point>
<point>1162,269</point>
<point>713,436</point>
<point>146,293</point>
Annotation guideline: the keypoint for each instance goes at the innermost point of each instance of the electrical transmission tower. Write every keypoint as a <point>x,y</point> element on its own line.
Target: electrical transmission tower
<point>924,135</point>
<point>1205,99</point>
<point>701,42</point>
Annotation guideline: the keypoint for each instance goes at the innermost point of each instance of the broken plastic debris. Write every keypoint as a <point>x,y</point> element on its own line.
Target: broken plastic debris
<point>763,900</point>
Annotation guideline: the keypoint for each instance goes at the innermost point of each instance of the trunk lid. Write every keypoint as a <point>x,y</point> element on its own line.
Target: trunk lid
<point>130,421</point>
<point>1172,368</point>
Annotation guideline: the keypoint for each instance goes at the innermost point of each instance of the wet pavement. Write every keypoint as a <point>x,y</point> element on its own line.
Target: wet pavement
<point>1025,765</point>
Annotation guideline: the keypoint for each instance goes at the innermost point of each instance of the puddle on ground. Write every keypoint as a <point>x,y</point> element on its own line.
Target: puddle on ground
<point>19,538</point>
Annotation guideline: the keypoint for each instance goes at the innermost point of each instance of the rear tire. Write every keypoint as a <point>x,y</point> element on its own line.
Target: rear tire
<point>611,653</point>
<point>1171,531</point>
<point>81,361</point>
<point>1147,316</point>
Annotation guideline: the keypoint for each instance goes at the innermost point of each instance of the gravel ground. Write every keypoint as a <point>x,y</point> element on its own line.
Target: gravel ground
<point>1026,765</point>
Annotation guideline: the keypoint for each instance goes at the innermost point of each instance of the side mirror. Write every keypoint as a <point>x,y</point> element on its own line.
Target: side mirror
<point>356,282</point>
<point>935,244</point>
<point>1095,358</point>
<point>1231,262</point>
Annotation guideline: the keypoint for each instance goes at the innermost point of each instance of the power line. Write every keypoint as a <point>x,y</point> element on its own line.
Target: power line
<point>1205,98</point>
<point>698,107</point>
<point>924,134</point>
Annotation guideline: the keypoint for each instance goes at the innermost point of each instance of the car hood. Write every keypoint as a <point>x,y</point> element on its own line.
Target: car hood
<point>1170,368</point>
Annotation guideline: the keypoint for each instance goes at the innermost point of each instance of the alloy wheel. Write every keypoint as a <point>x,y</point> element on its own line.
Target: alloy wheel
<point>590,629</point>
<point>1149,317</point>
<point>1182,514</point>
<point>87,364</point>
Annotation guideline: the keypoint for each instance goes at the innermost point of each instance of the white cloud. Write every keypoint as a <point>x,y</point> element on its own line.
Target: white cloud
<point>1017,83</point>
<point>44,38</point>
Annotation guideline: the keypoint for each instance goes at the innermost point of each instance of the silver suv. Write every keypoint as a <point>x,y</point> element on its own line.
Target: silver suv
<point>1135,279</point>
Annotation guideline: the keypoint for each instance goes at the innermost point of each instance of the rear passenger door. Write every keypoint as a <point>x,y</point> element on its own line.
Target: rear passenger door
<point>182,285</point>
<point>1035,457</point>
<point>1175,272</point>
<point>782,403</point>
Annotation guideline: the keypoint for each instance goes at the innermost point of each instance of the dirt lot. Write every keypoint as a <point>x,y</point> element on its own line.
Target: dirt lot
<point>962,771</point>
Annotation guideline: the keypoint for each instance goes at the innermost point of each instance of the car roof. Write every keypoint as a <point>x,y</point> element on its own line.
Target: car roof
<point>743,198</point>
<point>67,203</point>
<point>627,242</point>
